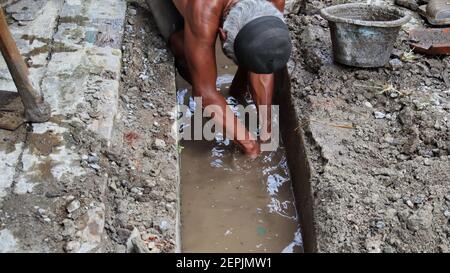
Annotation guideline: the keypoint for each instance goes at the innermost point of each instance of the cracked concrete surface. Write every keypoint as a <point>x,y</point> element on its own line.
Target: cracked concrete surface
<point>73,52</point>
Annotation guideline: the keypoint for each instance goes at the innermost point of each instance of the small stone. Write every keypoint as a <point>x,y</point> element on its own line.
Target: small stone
<point>171,197</point>
<point>113,186</point>
<point>52,194</point>
<point>447,213</point>
<point>394,197</point>
<point>388,249</point>
<point>380,225</point>
<point>135,243</point>
<point>159,144</point>
<point>123,234</point>
<point>69,227</point>
<point>121,249</point>
<point>122,206</point>
<point>435,101</point>
<point>136,190</point>
<point>373,245</point>
<point>95,166</point>
<point>151,245</point>
<point>163,225</point>
<point>124,183</point>
<point>41,211</point>
<point>150,183</point>
<point>389,139</point>
<point>395,64</point>
<point>403,157</point>
<point>391,214</point>
<point>443,248</point>
<point>72,246</point>
<point>409,203</point>
<point>139,246</point>
<point>93,159</point>
<point>394,94</point>
<point>418,200</point>
<point>132,11</point>
<point>73,206</point>
<point>368,104</point>
<point>379,115</point>
<point>420,220</point>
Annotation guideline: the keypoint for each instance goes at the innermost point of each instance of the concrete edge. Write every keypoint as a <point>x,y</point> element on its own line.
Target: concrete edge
<point>299,165</point>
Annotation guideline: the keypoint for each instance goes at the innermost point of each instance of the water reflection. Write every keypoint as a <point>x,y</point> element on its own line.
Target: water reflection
<point>231,203</point>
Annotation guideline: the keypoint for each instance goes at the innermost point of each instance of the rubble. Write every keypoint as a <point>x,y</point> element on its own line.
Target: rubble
<point>381,186</point>
<point>64,178</point>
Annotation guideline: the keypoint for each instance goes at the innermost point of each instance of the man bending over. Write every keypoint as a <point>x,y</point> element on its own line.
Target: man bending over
<point>253,35</point>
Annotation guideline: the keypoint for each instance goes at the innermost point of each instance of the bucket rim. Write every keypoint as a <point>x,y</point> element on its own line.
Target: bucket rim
<point>327,14</point>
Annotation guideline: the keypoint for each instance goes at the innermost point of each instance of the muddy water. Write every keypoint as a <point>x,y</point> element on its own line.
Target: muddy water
<point>231,204</point>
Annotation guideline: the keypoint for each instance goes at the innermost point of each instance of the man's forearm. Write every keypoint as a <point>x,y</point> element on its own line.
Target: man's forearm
<point>262,87</point>
<point>280,4</point>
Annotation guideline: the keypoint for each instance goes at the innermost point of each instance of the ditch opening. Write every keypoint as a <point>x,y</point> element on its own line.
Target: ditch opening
<point>231,204</point>
<point>299,167</point>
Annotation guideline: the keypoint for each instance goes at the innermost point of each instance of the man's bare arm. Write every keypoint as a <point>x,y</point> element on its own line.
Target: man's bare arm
<point>200,37</point>
<point>280,4</point>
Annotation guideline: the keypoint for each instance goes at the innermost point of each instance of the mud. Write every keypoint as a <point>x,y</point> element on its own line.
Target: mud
<point>43,144</point>
<point>228,205</point>
<point>377,143</point>
<point>231,204</point>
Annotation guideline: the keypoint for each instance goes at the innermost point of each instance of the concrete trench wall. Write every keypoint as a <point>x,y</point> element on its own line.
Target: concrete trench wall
<point>298,164</point>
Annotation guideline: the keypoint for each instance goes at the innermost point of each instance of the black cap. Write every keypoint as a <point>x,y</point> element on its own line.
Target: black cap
<point>263,45</point>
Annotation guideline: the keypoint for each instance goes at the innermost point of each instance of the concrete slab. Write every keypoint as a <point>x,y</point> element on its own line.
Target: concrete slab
<point>85,72</point>
<point>78,75</point>
<point>26,10</point>
<point>33,41</point>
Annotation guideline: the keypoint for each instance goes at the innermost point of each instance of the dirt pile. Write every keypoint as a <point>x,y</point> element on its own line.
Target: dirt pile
<point>378,140</point>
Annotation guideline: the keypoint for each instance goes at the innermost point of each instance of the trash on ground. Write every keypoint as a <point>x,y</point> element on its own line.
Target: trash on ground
<point>432,41</point>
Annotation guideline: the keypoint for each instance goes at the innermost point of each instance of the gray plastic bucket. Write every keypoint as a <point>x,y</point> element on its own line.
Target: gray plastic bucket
<point>363,35</point>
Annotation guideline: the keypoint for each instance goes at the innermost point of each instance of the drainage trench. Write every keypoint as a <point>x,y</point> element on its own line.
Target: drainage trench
<point>232,204</point>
